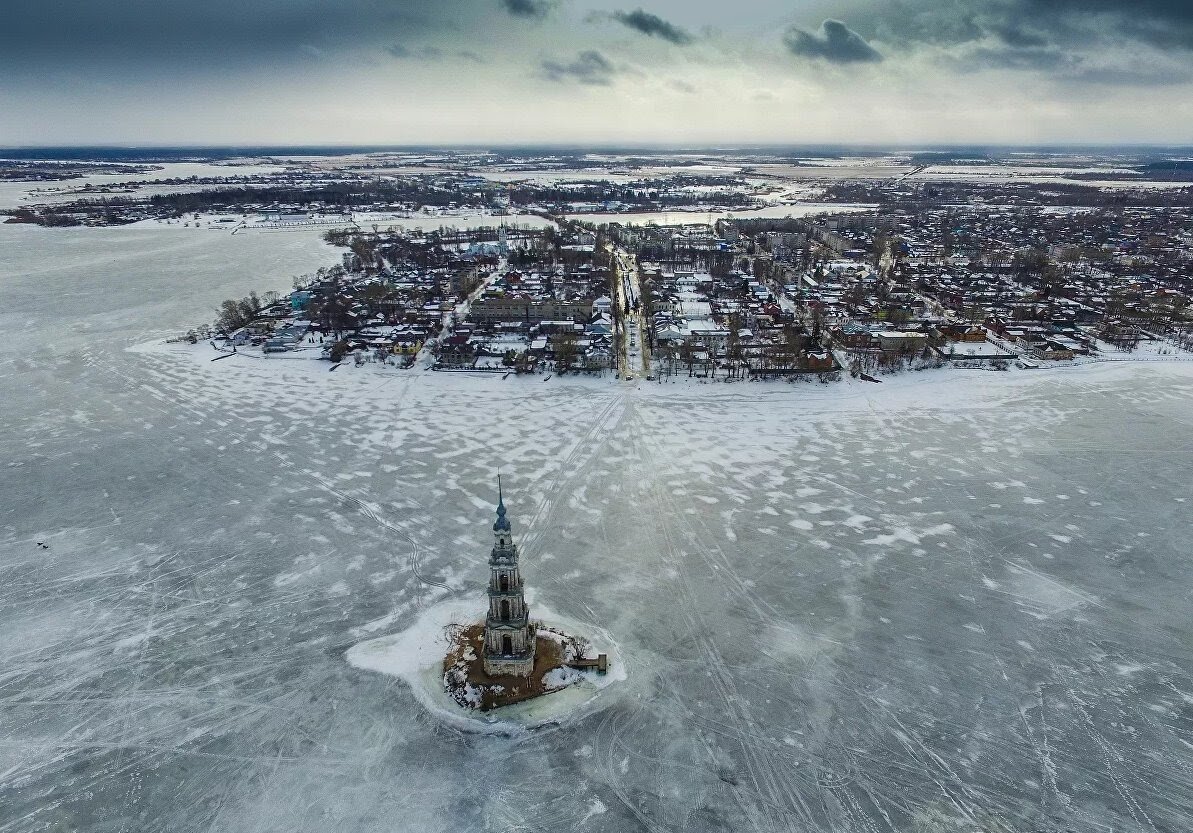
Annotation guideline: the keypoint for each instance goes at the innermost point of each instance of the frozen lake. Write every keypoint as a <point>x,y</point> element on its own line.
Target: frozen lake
<point>951,602</point>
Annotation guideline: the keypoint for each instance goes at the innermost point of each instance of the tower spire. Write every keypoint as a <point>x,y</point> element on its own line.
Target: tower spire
<point>502,522</point>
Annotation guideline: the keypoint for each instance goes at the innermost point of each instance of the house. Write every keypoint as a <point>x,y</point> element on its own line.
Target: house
<point>973,351</point>
<point>899,341</point>
<point>457,351</point>
<point>819,361</point>
<point>670,333</point>
<point>407,344</point>
<point>600,325</point>
<point>967,333</point>
<point>852,337</point>
<point>287,338</point>
<point>707,333</point>
<point>1053,352</point>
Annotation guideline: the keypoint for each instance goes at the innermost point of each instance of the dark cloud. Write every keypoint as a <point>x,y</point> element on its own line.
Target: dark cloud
<point>589,67</point>
<point>1016,36</point>
<point>126,37</point>
<point>1022,24</point>
<point>654,26</point>
<point>1167,24</point>
<point>835,42</point>
<point>1080,41</point>
<point>529,8</point>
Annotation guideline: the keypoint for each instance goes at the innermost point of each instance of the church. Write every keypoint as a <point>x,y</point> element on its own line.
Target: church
<point>510,639</point>
<point>509,658</point>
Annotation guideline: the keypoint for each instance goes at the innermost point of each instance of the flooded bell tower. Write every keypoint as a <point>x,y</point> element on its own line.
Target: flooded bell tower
<point>509,633</point>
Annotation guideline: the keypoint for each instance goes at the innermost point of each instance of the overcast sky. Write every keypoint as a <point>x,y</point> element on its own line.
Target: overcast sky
<point>592,71</point>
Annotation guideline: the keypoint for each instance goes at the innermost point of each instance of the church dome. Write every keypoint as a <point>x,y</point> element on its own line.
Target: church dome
<point>502,523</point>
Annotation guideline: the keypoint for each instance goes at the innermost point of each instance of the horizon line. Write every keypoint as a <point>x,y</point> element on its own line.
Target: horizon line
<point>601,145</point>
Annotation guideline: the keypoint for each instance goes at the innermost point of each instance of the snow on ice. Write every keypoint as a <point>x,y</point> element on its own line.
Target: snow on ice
<point>222,535</point>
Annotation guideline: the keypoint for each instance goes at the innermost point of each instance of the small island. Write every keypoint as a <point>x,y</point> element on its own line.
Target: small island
<point>509,658</point>
<point>503,672</point>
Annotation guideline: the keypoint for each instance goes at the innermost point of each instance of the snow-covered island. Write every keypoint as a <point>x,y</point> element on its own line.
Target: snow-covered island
<point>503,666</point>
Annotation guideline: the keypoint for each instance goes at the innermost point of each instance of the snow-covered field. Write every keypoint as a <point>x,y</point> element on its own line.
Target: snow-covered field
<point>13,194</point>
<point>956,601</point>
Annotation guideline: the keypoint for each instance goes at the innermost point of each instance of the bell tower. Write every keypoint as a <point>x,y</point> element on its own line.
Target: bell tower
<point>509,633</point>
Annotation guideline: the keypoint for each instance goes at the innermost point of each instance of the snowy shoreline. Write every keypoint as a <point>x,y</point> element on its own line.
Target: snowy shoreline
<point>947,388</point>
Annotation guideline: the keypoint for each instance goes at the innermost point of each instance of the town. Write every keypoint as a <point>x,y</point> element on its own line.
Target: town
<point>908,284</point>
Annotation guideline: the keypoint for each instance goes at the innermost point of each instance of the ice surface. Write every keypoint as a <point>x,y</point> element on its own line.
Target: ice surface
<point>921,653</point>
